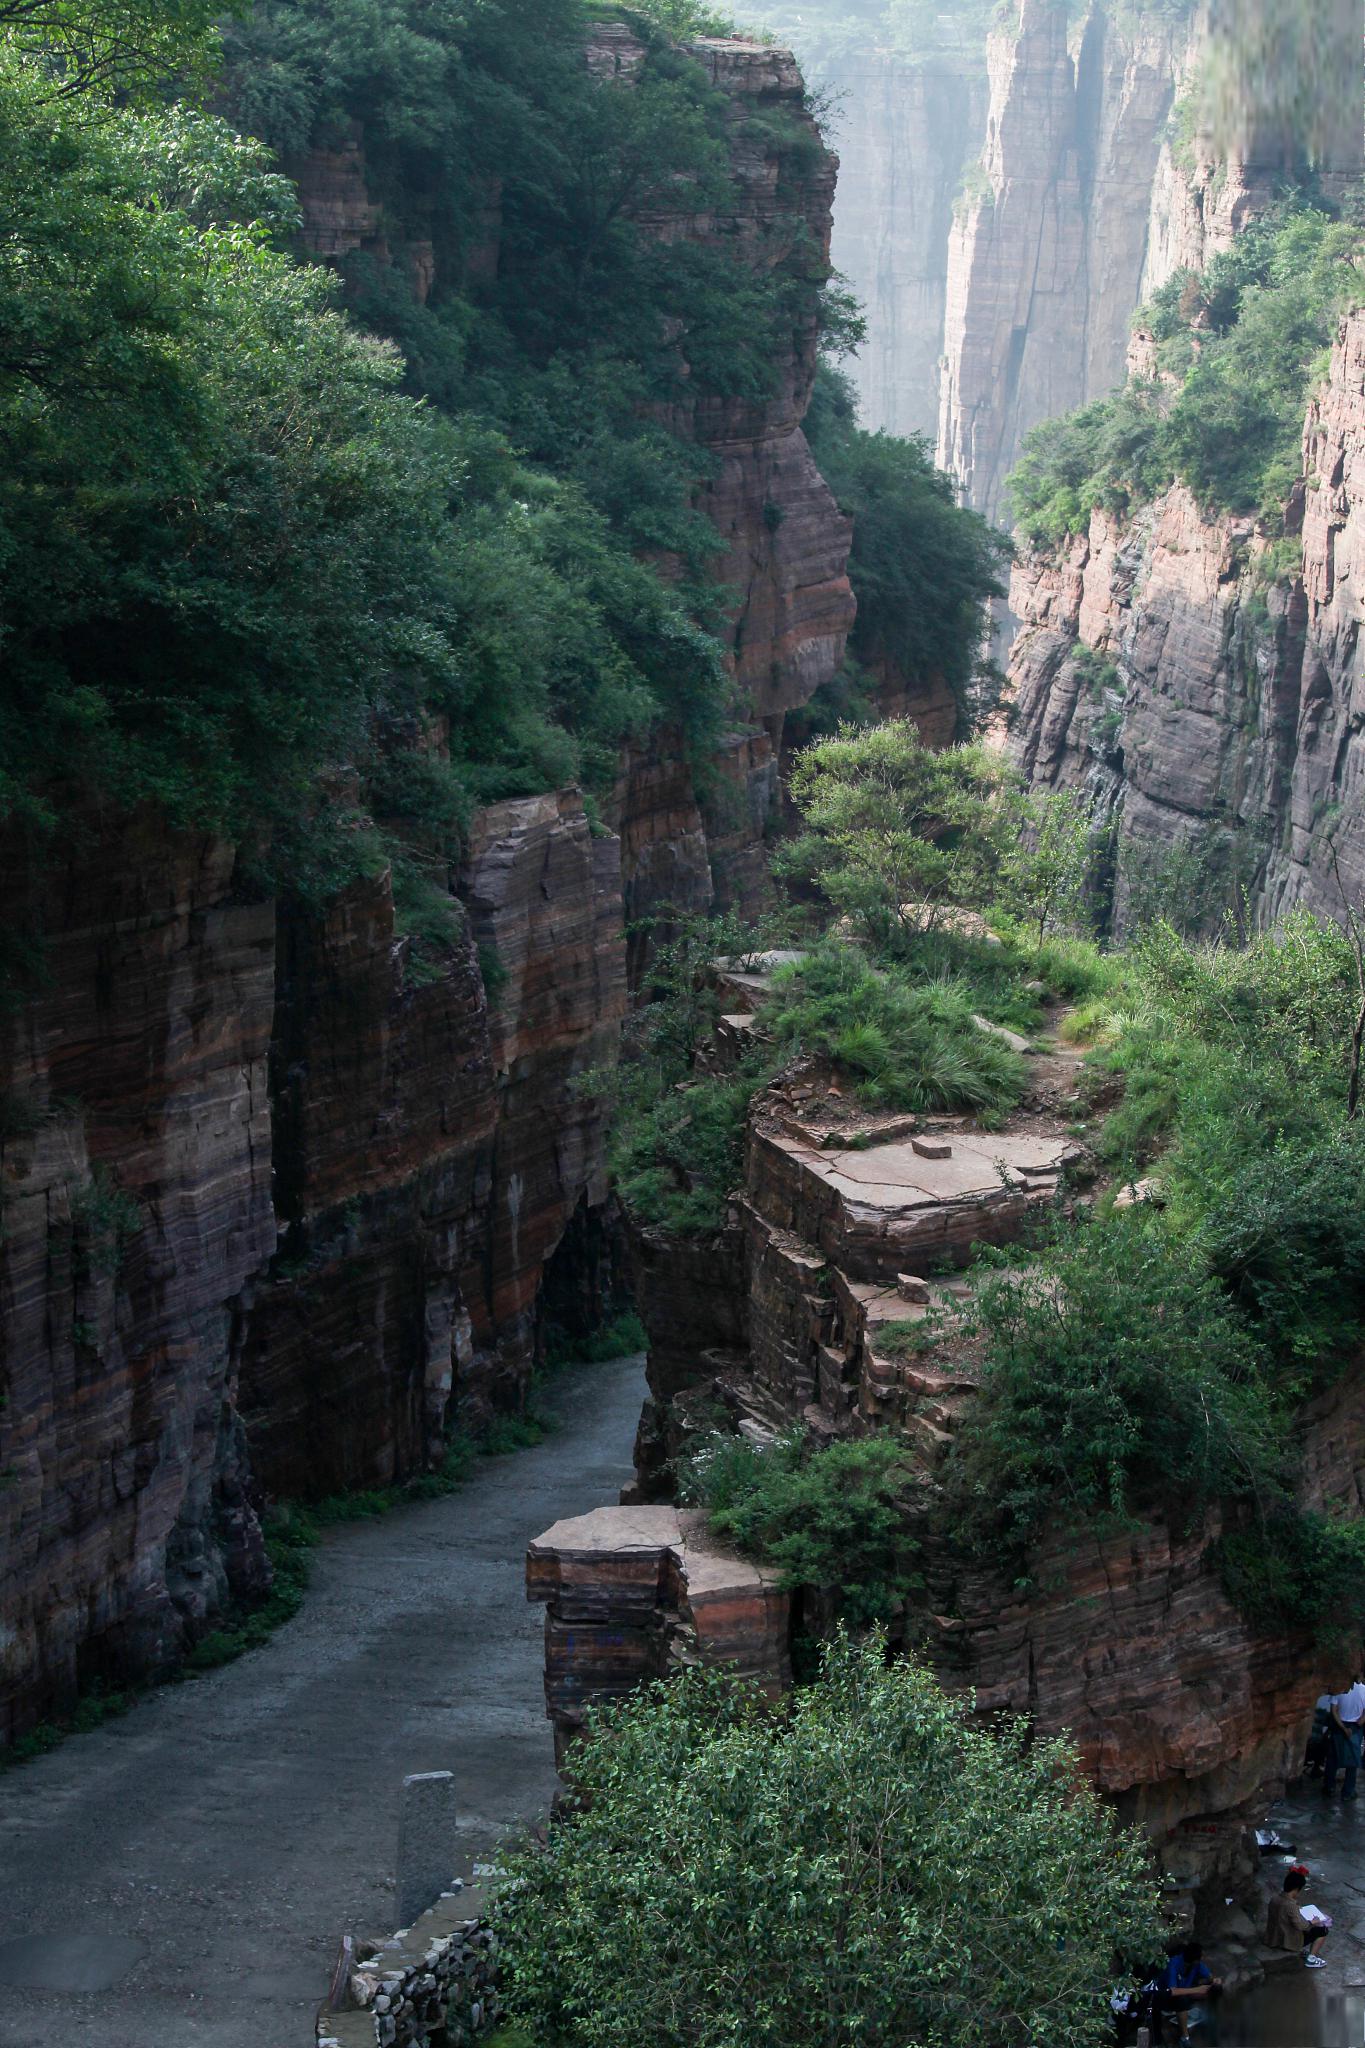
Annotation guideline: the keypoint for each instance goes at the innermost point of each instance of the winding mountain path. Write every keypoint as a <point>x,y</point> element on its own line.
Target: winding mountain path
<point>207,1850</point>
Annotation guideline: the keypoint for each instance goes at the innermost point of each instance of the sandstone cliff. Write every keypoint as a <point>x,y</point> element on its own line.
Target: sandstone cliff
<point>1049,248</point>
<point>279,1208</point>
<point>1208,699</point>
<point>906,135</point>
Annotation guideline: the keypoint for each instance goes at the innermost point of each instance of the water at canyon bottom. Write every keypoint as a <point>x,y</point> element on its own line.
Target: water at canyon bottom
<point>1298,2011</point>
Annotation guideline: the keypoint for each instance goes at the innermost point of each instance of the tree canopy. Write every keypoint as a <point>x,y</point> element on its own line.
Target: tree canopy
<point>866,1867</point>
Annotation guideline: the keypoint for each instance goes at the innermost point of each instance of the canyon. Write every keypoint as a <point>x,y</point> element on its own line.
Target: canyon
<point>280,1210</point>
<point>1003,210</point>
<point>285,1208</point>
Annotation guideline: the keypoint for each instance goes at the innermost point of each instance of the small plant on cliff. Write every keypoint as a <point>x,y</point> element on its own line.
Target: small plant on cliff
<point>837,1520</point>
<point>1113,1367</point>
<point>868,1868</point>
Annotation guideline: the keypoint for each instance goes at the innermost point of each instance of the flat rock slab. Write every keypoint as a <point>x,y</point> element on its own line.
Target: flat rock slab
<point>68,1962</point>
<point>897,1176</point>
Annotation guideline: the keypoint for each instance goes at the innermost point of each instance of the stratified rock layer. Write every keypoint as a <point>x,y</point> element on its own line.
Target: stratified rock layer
<point>634,1593</point>
<point>1219,726</point>
<point>135,1177</point>
<point>281,1193</point>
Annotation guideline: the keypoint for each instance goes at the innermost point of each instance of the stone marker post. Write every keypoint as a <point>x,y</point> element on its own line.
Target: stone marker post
<point>426,1842</point>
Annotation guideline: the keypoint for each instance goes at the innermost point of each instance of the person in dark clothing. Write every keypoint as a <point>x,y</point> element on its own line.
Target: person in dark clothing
<point>1187,1980</point>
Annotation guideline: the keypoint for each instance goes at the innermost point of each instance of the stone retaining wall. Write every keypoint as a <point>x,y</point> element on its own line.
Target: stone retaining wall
<point>439,1974</point>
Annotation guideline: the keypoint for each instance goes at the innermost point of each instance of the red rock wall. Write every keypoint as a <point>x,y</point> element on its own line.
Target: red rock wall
<point>1232,727</point>
<point>137,1072</point>
<point>417,1140</point>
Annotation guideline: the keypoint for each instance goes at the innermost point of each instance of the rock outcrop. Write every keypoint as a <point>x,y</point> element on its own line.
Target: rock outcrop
<point>634,1593</point>
<point>279,1196</point>
<point>805,1311</point>
<point>1208,699</point>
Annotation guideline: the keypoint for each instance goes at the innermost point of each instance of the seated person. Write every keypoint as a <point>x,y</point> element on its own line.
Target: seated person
<point>1285,1926</point>
<point>1187,1981</point>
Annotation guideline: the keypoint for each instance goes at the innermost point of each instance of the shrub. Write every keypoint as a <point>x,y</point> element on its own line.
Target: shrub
<point>679,1158</point>
<point>912,1045</point>
<point>924,568</point>
<point>1299,1572</point>
<point>868,1868</point>
<point>836,1520</point>
<point>1113,1367</point>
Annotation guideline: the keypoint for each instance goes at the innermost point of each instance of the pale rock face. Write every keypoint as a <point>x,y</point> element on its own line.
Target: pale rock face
<point>1232,727</point>
<point>905,136</point>
<point>1047,255</point>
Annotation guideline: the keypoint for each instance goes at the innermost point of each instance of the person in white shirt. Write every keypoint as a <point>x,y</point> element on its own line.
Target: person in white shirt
<point>1348,1713</point>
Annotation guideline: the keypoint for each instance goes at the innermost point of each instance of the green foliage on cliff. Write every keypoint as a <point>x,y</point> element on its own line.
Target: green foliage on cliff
<point>924,568</point>
<point>866,1868</point>
<point>1237,353</point>
<point>1115,1366</point>
<point>249,576</point>
<point>1156,1356</point>
<point>835,1519</point>
<point>909,1043</point>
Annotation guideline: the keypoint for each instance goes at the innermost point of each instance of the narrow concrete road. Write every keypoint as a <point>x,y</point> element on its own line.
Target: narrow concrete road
<point>208,1849</point>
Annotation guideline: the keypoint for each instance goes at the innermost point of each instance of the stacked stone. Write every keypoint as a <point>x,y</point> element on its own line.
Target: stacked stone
<point>436,1981</point>
<point>632,1593</point>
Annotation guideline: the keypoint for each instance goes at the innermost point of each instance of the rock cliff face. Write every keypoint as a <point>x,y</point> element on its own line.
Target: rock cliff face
<point>279,1200</point>
<point>1211,704</point>
<point>1183,1713</point>
<point>906,135</point>
<point>135,1179</point>
<point>1048,251</point>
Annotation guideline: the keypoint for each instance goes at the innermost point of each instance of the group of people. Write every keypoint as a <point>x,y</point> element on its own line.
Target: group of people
<point>1176,1995</point>
<point>1187,1982</point>
<point>1335,1743</point>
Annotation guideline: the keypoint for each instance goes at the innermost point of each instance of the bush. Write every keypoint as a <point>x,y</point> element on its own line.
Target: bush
<point>924,568</point>
<point>868,1868</point>
<point>679,1158</point>
<point>1299,1572</point>
<point>836,1520</point>
<point>1113,1368</point>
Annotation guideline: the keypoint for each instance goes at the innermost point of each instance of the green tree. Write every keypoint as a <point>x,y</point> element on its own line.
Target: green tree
<point>867,1868</point>
<point>1045,873</point>
<point>103,46</point>
<point>895,834</point>
<point>924,568</point>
